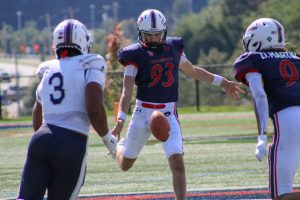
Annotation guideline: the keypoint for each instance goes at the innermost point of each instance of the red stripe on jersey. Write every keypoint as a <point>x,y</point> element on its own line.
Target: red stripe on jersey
<point>131,63</point>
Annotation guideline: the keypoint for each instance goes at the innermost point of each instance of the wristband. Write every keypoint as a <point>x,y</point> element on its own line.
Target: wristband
<point>262,138</point>
<point>121,115</point>
<point>217,80</point>
<point>107,136</point>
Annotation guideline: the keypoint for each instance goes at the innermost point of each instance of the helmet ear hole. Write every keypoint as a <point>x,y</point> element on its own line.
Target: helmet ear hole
<point>259,46</point>
<point>246,42</point>
<point>255,44</point>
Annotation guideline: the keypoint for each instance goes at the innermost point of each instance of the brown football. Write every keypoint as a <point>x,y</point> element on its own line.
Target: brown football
<point>159,126</point>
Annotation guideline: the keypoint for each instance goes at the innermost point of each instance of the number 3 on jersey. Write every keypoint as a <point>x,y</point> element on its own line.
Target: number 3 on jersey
<point>156,75</point>
<point>58,88</point>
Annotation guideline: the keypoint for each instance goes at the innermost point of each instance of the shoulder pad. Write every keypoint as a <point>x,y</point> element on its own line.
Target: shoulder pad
<point>244,64</point>
<point>177,41</point>
<point>93,61</point>
<point>43,67</point>
<point>129,54</point>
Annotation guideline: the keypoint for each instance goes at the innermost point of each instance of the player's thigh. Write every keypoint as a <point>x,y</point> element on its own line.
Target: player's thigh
<point>287,138</point>
<point>137,134</point>
<point>34,187</point>
<point>68,165</point>
<point>285,151</point>
<point>36,171</point>
<point>174,143</point>
<point>68,186</point>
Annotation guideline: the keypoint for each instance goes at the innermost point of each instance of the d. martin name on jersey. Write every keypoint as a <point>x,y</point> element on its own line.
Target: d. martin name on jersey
<point>265,55</point>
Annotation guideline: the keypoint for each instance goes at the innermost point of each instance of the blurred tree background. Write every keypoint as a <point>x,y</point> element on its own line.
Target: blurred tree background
<point>212,31</point>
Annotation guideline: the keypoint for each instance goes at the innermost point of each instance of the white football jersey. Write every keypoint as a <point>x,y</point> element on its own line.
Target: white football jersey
<point>61,91</point>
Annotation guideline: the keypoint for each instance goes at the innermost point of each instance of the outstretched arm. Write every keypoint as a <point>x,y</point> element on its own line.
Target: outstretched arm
<point>97,115</point>
<point>128,83</point>
<point>261,112</point>
<point>231,88</point>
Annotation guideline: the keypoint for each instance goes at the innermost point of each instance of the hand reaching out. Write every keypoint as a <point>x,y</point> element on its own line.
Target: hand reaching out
<point>110,142</point>
<point>232,88</point>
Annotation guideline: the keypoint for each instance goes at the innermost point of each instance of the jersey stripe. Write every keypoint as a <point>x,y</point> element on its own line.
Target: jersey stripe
<point>153,19</point>
<point>68,31</point>
<point>273,159</point>
<point>279,30</point>
<point>80,178</point>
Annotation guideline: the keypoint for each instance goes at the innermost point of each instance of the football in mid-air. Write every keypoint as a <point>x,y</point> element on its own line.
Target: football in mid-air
<point>159,126</point>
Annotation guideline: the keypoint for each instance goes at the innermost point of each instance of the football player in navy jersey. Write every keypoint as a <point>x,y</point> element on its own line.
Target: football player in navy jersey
<point>153,65</point>
<point>272,74</point>
<point>69,100</point>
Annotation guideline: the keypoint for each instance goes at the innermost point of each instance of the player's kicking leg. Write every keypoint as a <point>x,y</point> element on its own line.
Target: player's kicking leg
<point>178,171</point>
<point>123,162</point>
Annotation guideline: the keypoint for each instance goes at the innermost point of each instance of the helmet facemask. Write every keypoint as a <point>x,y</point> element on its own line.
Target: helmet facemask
<point>151,44</point>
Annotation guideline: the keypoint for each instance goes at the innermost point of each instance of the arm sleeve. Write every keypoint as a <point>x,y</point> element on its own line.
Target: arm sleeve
<point>130,70</point>
<point>128,56</point>
<point>38,98</point>
<point>260,100</point>
<point>95,69</point>
<point>183,58</point>
<point>95,75</point>
<point>40,70</point>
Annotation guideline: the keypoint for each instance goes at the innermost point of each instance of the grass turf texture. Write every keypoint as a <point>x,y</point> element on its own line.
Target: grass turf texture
<point>212,158</point>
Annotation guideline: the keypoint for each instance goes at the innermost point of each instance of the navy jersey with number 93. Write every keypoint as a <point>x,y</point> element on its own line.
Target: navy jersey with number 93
<point>157,77</point>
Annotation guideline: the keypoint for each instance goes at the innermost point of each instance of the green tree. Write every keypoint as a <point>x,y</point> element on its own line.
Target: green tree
<point>129,29</point>
<point>29,99</point>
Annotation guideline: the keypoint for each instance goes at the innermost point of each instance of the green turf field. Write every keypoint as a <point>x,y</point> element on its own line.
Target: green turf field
<point>219,153</point>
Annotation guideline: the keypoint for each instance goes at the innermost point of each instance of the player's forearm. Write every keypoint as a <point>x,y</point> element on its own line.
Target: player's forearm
<point>37,117</point>
<point>261,111</point>
<point>204,75</point>
<point>98,120</point>
<point>197,73</point>
<point>126,95</point>
<point>125,101</point>
<point>259,100</point>
<point>95,108</point>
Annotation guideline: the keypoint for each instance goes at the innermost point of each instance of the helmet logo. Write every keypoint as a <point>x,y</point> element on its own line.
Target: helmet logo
<point>60,35</point>
<point>150,53</point>
<point>140,20</point>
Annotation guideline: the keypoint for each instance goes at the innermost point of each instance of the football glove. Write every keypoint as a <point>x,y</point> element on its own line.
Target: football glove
<point>261,147</point>
<point>110,142</point>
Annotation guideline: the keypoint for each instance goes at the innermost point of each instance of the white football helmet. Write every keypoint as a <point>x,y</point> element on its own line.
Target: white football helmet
<point>71,33</point>
<point>262,34</point>
<point>152,21</point>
